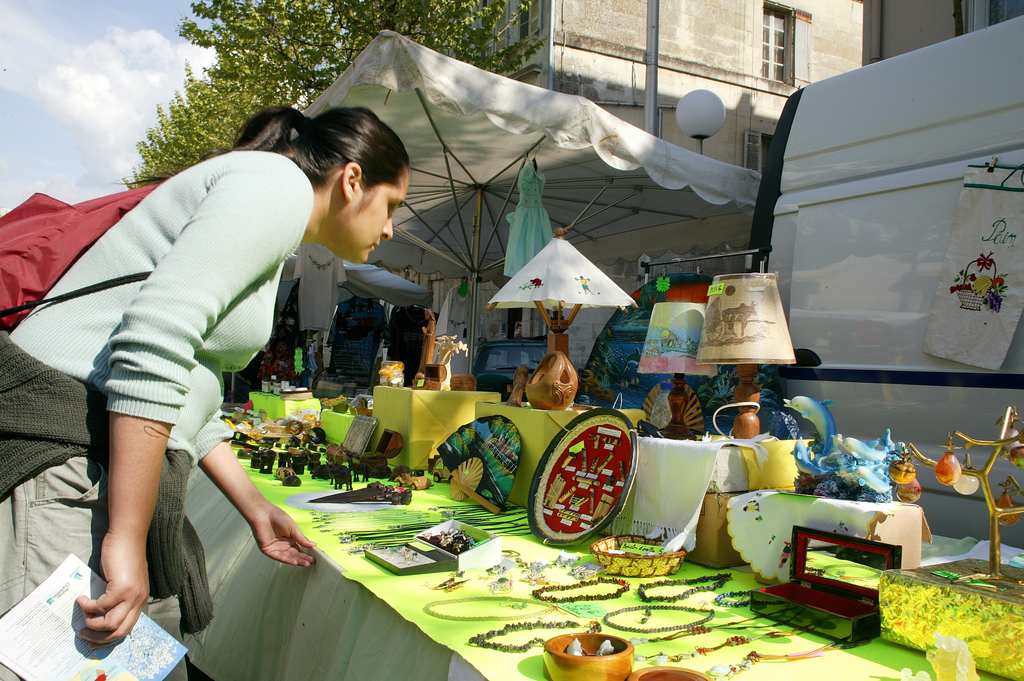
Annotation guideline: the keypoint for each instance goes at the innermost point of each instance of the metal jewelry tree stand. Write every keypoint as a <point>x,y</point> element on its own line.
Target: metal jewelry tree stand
<point>996,513</point>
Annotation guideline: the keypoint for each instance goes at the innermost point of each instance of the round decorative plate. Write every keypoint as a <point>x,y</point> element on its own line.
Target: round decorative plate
<point>583,478</point>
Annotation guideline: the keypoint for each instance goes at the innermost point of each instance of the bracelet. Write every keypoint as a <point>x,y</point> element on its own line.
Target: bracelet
<point>491,601</point>
<point>710,582</point>
<point>541,593</point>
<point>733,599</point>
<point>483,640</point>
<point>699,623</point>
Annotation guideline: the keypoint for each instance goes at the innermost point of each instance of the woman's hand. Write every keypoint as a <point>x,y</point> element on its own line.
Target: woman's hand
<point>279,537</point>
<point>111,616</point>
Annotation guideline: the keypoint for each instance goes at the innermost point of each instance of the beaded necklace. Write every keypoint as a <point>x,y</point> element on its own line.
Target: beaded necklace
<point>484,640</point>
<point>492,601</point>
<point>733,599</point>
<point>541,594</point>
<point>661,658</point>
<point>722,671</point>
<point>710,582</point>
<point>696,624</point>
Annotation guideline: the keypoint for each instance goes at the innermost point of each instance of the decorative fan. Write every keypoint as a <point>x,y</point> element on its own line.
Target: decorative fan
<point>483,456</point>
<point>583,478</point>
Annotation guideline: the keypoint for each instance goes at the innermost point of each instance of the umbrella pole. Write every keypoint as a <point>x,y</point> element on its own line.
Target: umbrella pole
<point>474,278</point>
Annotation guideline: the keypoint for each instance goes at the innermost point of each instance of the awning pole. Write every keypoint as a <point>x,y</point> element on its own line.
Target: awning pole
<point>474,281</point>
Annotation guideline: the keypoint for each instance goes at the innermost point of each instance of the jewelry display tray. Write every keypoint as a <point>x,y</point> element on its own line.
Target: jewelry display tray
<point>426,558</point>
<point>833,587</point>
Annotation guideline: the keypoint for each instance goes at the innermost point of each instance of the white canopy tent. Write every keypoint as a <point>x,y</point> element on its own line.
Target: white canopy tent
<point>468,132</point>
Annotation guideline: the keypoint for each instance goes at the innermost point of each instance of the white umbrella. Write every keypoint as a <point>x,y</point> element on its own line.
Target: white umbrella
<point>468,132</point>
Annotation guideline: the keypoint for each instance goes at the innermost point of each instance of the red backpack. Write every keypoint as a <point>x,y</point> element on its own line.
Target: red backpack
<point>43,237</point>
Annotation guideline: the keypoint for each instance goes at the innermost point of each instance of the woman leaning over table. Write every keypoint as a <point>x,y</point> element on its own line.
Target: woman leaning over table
<point>150,357</point>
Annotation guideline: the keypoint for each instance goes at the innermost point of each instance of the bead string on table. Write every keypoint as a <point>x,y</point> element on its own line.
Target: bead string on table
<point>662,658</point>
<point>696,624</point>
<point>722,671</point>
<point>733,599</point>
<point>490,601</point>
<point>484,640</point>
<point>706,583</point>
<point>541,594</point>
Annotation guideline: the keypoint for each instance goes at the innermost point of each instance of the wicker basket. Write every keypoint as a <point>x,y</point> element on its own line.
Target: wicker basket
<point>635,564</point>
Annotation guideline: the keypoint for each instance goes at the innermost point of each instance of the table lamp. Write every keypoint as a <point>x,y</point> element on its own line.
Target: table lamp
<point>562,280</point>
<point>744,324</point>
<point>673,337</point>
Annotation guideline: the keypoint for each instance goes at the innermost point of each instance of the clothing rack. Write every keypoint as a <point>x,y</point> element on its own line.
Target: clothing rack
<point>758,260</point>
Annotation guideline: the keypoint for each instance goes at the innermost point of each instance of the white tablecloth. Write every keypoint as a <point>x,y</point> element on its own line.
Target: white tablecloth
<point>277,623</point>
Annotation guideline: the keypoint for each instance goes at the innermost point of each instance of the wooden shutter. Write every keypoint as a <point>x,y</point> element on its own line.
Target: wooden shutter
<point>802,47</point>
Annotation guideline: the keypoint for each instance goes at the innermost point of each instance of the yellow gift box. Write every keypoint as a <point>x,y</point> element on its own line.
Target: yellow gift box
<point>917,604</point>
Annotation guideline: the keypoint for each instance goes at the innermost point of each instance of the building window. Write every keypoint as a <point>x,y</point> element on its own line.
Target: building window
<point>1001,10</point>
<point>755,150</point>
<point>775,45</point>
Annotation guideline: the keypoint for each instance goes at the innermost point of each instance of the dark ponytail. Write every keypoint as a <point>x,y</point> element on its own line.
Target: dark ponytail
<point>334,138</point>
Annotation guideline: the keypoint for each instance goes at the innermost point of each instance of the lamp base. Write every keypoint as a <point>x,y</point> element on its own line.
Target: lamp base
<point>687,416</point>
<point>747,424</point>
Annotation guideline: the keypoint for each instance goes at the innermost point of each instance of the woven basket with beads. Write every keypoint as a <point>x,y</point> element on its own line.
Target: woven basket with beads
<point>635,564</point>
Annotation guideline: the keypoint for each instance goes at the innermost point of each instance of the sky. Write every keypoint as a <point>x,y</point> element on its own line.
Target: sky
<point>80,81</point>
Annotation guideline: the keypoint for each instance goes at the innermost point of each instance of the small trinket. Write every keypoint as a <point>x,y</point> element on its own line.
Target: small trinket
<point>575,648</point>
<point>910,492</point>
<point>948,470</point>
<point>501,585</point>
<point>902,471</point>
<point>606,648</point>
<point>566,559</point>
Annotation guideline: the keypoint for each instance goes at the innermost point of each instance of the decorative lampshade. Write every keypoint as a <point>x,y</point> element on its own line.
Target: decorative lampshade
<point>744,322</point>
<point>672,340</point>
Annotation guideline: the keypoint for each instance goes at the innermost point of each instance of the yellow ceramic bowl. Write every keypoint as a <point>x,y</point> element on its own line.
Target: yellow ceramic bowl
<point>590,667</point>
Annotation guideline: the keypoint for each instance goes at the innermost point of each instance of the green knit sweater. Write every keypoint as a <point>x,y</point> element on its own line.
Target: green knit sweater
<point>215,237</point>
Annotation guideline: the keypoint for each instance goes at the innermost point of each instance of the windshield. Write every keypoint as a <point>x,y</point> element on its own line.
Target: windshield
<point>509,357</point>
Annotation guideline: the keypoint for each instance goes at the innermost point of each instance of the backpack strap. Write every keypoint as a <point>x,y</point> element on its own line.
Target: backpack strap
<point>78,293</point>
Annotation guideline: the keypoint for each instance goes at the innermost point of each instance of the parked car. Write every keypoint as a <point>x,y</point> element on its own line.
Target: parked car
<point>497,361</point>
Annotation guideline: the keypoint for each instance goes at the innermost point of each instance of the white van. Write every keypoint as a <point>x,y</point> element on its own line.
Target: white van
<point>866,170</point>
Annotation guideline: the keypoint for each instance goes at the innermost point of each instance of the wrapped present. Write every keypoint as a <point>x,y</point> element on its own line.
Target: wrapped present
<point>950,600</point>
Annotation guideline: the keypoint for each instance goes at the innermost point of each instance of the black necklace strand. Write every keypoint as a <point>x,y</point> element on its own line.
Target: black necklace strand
<point>696,624</point>
<point>733,599</point>
<point>541,593</point>
<point>709,582</point>
<point>484,640</point>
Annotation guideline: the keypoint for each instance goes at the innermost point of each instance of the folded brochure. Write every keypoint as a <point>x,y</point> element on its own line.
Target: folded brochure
<point>38,638</point>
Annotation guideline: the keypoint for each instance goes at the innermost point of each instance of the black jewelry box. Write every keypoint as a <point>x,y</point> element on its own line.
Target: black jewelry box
<point>833,587</point>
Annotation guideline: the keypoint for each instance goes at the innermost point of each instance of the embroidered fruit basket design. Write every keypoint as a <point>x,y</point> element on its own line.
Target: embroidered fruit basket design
<point>980,283</point>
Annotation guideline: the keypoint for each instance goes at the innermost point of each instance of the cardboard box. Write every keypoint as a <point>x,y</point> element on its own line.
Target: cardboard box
<point>905,526</point>
<point>917,604</point>
<point>714,545</point>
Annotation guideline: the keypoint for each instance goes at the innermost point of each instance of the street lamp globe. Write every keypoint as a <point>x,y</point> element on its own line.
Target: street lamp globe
<point>700,114</point>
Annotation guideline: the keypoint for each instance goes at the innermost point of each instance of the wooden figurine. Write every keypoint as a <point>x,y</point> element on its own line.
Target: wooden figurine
<point>341,476</point>
<point>427,352</point>
<point>292,481</point>
<point>519,381</point>
<point>448,347</point>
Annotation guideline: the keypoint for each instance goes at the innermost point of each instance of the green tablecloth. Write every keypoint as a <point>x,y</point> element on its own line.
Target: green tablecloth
<point>408,594</point>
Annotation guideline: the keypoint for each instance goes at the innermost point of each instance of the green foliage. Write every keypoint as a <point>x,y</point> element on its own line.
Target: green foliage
<point>273,52</point>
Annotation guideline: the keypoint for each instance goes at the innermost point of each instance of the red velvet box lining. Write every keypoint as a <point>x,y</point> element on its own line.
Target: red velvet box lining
<point>823,600</point>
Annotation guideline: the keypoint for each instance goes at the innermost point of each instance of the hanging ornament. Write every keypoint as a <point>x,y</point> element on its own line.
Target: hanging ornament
<point>1007,501</point>
<point>463,290</point>
<point>902,471</point>
<point>1015,452</point>
<point>909,492</point>
<point>967,485</point>
<point>663,284</point>
<point>948,470</point>
<point>298,362</point>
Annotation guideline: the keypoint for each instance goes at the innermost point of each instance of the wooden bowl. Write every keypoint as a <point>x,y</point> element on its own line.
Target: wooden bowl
<point>562,667</point>
<point>667,674</point>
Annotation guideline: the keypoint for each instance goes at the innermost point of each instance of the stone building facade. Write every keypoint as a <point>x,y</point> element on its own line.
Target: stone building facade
<point>752,53</point>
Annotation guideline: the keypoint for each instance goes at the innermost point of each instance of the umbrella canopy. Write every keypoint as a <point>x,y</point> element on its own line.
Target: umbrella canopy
<point>469,132</point>
<point>369,281</point>
<point>560,276</point>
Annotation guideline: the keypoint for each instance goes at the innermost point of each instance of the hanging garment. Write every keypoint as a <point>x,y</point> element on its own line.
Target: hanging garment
<point>319,272</point>
<point>980,295</point>
<point>529,224</point>
<point>358,330</point>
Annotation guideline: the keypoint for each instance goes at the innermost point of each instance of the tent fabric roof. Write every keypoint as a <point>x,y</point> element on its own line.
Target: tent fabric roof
<point>468,132</point>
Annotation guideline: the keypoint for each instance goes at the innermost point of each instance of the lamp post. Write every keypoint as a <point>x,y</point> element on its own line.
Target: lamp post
<point>700,114</point>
